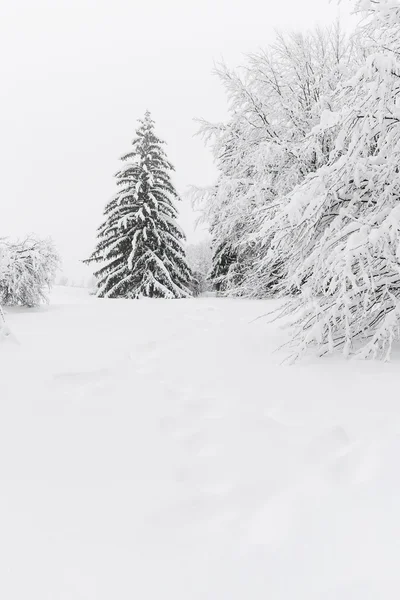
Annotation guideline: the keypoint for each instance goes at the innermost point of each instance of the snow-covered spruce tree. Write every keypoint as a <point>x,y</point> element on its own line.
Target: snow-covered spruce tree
<point>225,263</point>
<point>140,242</point>
<point>265,150</point>
<point>27,271</point>
<point>341,226</point>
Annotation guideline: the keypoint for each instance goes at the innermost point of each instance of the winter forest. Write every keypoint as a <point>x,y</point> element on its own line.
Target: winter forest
<point>171,417</point>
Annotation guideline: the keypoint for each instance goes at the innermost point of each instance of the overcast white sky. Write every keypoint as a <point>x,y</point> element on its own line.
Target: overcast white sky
<point>76,75</point>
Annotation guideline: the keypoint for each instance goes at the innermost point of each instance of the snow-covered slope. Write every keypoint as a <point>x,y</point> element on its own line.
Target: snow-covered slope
<point>160,450</point>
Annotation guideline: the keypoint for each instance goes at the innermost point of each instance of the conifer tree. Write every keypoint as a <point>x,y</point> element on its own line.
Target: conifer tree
<point>224,258</point>
<point>140,242</point>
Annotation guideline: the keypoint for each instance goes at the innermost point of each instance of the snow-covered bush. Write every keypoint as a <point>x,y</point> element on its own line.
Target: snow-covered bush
<point>27,271</point>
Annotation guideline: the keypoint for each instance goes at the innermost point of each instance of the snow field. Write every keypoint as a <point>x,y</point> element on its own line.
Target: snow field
<point>159,449</point>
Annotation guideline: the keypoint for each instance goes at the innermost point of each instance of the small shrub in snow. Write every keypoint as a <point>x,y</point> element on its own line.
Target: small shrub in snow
<point>27,271</point>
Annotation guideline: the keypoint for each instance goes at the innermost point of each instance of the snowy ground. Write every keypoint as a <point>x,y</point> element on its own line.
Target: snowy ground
<point>159,450</point>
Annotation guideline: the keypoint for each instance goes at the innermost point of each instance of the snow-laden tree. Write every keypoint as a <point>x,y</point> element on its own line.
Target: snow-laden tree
<point>27,271</point>
<point>265,150</point>
<point>140,242</point>
<point>199,257</point>
<point>226,267</point>
<point>340,229</point>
